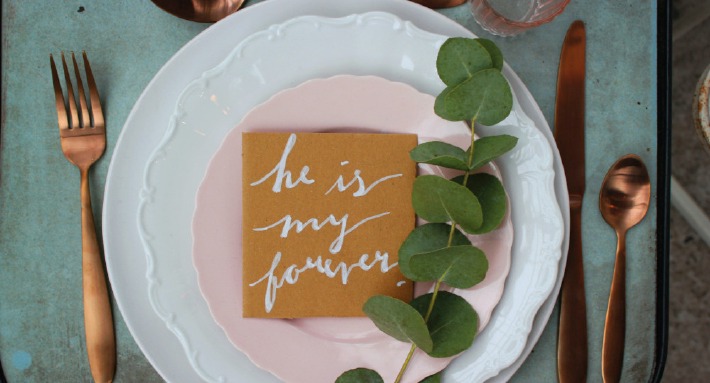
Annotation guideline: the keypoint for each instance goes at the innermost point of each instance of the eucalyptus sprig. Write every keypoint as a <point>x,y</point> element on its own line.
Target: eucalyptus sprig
<point>441,323</point>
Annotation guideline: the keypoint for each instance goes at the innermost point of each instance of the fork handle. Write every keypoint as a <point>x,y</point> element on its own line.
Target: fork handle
<point>98,320</point>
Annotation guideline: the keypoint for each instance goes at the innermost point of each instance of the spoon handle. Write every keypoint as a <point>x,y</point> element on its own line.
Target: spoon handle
<point>615,324</point>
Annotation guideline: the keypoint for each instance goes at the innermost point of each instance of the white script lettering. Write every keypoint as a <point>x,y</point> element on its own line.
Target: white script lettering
<point>282,173</point>
<point>362,189</point>
<point>292,272</point>
<point>337,244</point>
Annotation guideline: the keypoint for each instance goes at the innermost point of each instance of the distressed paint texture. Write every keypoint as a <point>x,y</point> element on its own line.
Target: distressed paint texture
<point>41,322</point>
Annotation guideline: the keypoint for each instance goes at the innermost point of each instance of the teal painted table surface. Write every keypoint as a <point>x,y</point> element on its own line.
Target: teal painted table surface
<point>41,320</point>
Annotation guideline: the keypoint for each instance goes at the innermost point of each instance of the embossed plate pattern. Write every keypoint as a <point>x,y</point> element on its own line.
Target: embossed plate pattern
<point>127,259</point>
<point>373,43</point>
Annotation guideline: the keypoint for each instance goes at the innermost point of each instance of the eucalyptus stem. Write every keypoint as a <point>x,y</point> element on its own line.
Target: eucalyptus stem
<point>429,310</point>
<point>470,152</point>
<point>461,65</point>
<point>451,234</point>
<point>433,299</point>
<point>406,363</point>
<point>437,286</point>
<point>426,319</point>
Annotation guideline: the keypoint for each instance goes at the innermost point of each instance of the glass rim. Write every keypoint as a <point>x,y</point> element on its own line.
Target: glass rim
<point>523,24</point>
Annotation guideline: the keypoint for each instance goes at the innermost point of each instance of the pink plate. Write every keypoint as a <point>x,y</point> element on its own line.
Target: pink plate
<point>313,350</point>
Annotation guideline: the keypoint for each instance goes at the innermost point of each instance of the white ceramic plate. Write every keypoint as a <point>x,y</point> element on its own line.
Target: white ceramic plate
<point>282,56</point>
<point>341,103</point>
<point>146,128</point>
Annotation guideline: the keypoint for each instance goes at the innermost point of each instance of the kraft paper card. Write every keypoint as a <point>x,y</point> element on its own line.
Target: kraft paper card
<point>324,216</point>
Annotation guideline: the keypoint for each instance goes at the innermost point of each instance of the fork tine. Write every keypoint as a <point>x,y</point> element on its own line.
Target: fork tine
<point>96,111</point>
<point>84,119</point>
<point>74,121</point>
<point>62,117</point>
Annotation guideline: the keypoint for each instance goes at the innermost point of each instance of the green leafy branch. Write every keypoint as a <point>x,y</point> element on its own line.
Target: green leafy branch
<point>441,323</point>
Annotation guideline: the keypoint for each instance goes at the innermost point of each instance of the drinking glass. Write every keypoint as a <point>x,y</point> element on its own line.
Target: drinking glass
<point>510,17</point>
<point>701,108</point>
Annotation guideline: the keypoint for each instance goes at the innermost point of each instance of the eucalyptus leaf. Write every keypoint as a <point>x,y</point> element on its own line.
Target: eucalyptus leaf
<point>436,378</point>
<point>437,199</point>
<point>485,97</point>
<point>440,154</point>
<point>493,51</point>
<point>487,149</point>
<point>457,266</point>
<point>459,58</point>
<point>424,239</point>
<point>360,375</point>
<point>453,323</point>
<point>447,109</point>
<point>398,320</point>
<point>491,195</point>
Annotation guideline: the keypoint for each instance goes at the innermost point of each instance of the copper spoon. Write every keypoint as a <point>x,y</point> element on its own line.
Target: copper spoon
<point>623,201</point>
<point>435,4</point>
<point>203,11</point>
<point>209,11</point>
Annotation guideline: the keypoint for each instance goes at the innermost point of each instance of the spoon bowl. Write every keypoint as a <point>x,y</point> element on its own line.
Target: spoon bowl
<point>210,11</point>
<point>623,201</point>
<point>625,193</point>
<point>202,11</point>
<point>435,4</point>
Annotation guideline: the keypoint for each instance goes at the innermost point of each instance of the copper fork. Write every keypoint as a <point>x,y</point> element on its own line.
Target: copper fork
<point>82,133</point>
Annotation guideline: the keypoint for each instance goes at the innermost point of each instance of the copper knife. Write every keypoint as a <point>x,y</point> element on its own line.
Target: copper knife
<point>569,135</point>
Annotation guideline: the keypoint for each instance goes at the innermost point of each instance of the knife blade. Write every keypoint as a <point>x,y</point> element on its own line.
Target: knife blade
<point>569,136</point>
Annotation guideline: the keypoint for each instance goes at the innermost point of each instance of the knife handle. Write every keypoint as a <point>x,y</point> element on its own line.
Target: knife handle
<point>572,331</point>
